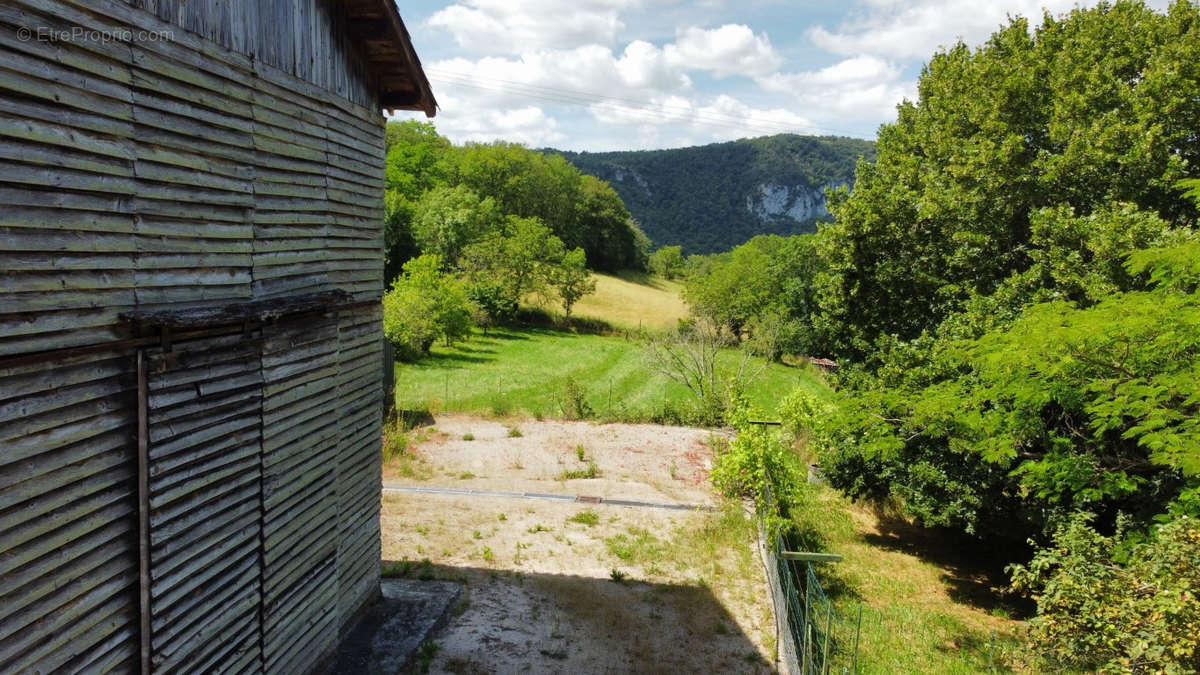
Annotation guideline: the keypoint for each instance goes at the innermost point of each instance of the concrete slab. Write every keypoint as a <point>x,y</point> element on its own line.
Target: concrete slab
<point>385,640</point>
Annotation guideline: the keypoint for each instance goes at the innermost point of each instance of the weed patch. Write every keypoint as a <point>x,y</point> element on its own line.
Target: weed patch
<point>586,517</point>
<point>639,546</point>
<point>592,471</point>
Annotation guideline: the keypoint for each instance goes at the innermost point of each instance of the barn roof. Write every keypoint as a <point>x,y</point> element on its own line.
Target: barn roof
<point>389,50</point>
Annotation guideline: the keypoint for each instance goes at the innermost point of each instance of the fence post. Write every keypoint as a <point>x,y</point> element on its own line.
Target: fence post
<point>857,633</point>
<point>825,646</point>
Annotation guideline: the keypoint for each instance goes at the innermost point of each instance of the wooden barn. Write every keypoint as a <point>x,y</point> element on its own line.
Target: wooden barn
<point>190,342</point>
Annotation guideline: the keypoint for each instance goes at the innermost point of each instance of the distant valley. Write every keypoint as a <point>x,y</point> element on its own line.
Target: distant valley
<point>711,198</point>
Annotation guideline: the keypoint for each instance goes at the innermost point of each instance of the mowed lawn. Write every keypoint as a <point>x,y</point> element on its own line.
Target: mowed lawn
<point>524,372</point>
<point>632,300</point>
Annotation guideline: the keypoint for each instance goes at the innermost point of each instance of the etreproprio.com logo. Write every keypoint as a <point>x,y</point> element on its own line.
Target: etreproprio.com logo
<point>81,34</point>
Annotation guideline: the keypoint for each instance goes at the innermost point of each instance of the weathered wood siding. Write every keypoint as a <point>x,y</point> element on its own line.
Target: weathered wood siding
<point>240,160</point>
<point>303,39</point>
<point>205,416</point>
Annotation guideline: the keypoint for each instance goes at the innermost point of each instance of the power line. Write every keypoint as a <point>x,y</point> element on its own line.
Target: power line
<point>624,104</point>
<point>647,109</point>
<point>661,116</point>
<point>653,115</point>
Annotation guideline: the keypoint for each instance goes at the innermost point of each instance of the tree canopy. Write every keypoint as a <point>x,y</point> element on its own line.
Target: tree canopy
<point>705,199</point>
<point>442,197</point>
<point>1095,107</point>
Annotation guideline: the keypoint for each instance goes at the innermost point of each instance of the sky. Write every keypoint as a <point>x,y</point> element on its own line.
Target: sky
<point>601,75</point>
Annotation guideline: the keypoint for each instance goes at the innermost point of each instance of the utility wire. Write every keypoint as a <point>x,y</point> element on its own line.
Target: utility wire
<point>661,116</point>
<point>655,111</point>
<point>627,105</point>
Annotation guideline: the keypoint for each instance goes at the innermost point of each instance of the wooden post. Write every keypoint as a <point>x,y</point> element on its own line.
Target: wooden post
<point>143,463</point>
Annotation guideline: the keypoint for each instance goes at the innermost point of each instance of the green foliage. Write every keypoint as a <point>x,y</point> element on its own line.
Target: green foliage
<point>759,464</point>
<point>667,262</point>
<point>591,471</point>
<point>606,231</point>
<point>417,160</point>
<point>1104,609</point>
<point>395,439</point>
<point>447,219</point>
<point>1065,408</point>
<point>425,304</point>
<point>762,289</point>
<point>1091,109</point>
<point>572,280</point>
<point>575,405</point>
<point>698,197</point>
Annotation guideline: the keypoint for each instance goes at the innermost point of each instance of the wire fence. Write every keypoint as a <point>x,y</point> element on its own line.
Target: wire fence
<point>814,637</point>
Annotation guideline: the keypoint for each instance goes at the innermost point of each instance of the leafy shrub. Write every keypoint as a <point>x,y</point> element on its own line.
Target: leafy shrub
<point>424,305</point>
<point>574,404</point>
<point>1096,613</point>
<point>585,517</point>
<point>758,464</point>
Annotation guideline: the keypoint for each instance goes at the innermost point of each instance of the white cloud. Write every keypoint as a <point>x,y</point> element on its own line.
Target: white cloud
<point>732,49</point>
<point>913,29</point>
<point>463,121</point>
<point>862,87</point>
<point>492,26</point>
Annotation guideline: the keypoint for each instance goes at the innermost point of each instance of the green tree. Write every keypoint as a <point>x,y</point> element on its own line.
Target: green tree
<point>448,219</point>
<point>606,230</point>
<point>515,263</point>
<point>1065,408</point>
<point>1092,108</point>
<point>417,160</point>
<point>735,286</point>
<point>572,280</point>
<point>423,305</point>
<point>667,262</point>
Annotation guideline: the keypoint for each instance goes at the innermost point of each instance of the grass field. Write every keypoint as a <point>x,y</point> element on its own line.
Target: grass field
<point>632,300</point>
<point>524,372</point>
<point>929,605</point>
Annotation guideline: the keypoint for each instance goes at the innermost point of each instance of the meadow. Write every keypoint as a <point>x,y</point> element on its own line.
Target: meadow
<point>525,372</point>
<point>634,300</point>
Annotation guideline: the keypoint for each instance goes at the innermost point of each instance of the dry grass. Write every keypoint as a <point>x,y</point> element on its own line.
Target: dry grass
<point>632,300</point>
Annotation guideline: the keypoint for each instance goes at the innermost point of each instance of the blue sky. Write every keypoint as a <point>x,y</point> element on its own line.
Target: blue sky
<point>635,74</point>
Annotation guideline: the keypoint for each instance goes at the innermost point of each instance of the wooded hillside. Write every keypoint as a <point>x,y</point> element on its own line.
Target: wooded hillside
<point>711,198</point>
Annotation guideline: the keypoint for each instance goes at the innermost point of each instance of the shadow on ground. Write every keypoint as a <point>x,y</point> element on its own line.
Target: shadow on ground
<point>974,570</point>
<point>515,621</point>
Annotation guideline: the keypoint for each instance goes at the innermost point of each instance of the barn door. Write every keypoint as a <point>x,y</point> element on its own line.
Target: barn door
<point>205,481</point>
<point>245,501</point>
